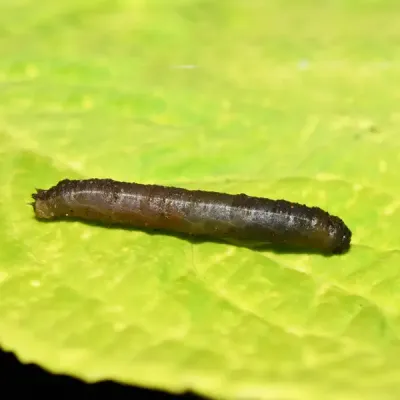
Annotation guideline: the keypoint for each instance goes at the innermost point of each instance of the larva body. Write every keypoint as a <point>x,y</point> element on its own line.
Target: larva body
<point>237,218</point>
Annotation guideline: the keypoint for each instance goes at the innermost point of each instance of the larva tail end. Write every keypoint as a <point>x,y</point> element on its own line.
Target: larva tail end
<point>41,206</point>
<point>39,194</point>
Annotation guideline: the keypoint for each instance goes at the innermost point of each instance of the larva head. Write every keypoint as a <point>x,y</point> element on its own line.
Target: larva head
<point>340,235</point>
<point>327,233</point>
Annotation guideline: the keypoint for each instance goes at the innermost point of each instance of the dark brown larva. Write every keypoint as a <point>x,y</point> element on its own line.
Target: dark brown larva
<point>233,218</point>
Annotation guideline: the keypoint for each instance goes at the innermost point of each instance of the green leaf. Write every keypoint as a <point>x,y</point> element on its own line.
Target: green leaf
<point>271,99</point>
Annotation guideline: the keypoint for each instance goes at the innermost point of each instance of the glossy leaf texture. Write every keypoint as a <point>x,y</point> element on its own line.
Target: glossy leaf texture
<point>272,99</point>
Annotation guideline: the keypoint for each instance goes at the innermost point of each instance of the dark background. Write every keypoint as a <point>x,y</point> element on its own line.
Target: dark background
<point>31,380</point>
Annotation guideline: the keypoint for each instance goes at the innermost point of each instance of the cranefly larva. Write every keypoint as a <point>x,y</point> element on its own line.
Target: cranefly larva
<point>233,218</point>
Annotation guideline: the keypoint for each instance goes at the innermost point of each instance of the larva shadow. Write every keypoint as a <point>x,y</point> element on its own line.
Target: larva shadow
<point>196,240</point>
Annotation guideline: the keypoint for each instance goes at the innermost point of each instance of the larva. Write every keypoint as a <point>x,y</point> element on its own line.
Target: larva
<point>236,218</point>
